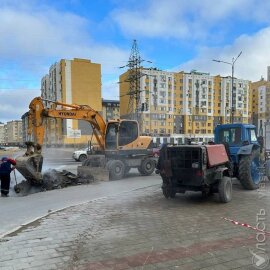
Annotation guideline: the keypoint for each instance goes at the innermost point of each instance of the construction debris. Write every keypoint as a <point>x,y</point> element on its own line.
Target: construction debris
<point>53,179</point>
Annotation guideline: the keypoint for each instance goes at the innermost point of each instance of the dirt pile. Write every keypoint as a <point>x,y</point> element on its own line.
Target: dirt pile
<point>53,179</point>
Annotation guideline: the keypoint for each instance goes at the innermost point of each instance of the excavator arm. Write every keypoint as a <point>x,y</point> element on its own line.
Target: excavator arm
<point>38,113</point>
<point>30,164</point>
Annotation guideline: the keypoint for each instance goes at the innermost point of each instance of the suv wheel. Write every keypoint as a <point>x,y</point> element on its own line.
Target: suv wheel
<point>168,190</point>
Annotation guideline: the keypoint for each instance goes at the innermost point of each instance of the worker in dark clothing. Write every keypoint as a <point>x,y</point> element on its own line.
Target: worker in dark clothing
<point>162,157</point>
<point>5,170</point>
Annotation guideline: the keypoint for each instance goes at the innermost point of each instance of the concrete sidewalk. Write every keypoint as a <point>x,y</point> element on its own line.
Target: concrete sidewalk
<point>16,211</point>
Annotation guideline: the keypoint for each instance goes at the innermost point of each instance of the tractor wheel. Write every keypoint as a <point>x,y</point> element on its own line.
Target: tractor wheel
<point>249,175</point>
<point>168,191</point>
<point>116,169</point>
<point>225,189</point>
<point>147,167</point>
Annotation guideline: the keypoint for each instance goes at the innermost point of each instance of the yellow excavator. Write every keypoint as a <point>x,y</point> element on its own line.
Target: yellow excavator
<point>122,146</point>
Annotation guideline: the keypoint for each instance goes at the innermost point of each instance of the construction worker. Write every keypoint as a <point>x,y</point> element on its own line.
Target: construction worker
<point>162,158</point>
<point>5,170</point>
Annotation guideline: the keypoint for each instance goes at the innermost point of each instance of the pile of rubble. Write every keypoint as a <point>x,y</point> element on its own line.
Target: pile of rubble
<point>53,179</point>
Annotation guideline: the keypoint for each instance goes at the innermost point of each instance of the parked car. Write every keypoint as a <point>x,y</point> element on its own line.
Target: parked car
<point>80,155</point>
<point>156,151</point>
<point>2,148</point>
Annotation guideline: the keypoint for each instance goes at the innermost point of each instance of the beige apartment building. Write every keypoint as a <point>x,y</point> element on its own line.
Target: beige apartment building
<point>14,132</point>
<point>2,133</point>
<point>254,97</point>
<point>76,81</point>
<point>175,106</point>
<point>261,105</point>
<point>110,109</point>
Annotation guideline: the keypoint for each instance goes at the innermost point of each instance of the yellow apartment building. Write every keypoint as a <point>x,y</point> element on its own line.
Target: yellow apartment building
<point>258,99</point>
<point>261,104</point>
<point>175,106</point>
<point>76,81</point>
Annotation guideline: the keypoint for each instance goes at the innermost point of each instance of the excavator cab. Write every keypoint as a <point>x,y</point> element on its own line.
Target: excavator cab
<point>120,133</point>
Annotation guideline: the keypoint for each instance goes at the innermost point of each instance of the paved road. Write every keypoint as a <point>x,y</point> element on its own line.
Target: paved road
<point>130,225</point>
<point>19,210</point>
<point>143,230</point>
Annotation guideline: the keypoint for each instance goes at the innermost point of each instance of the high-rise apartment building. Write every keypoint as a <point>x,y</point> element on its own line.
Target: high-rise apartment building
<point>255,100</point>
<point>179,105</point>
<point>110,109</point>
<point>262,110</point>
<point>75,81</point>
<point>14,132</point>
<point>2,133</point>
<point>25,136</point>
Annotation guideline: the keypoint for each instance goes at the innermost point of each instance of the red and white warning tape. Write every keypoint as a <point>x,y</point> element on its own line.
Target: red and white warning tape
<point>246,225</point>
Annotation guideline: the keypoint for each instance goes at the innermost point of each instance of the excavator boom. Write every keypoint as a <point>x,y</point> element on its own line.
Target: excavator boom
<point>38,113</point>
<point>30,165</point>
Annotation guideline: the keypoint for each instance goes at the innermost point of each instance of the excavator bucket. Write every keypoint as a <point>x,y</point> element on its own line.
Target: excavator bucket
<point>30,164</point>
<point>30,167</point>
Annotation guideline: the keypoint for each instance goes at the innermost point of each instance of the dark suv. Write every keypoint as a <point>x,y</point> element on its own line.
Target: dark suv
<point>202,168</point>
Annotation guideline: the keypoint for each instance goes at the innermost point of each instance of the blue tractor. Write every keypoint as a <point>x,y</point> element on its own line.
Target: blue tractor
<point>244,151</point>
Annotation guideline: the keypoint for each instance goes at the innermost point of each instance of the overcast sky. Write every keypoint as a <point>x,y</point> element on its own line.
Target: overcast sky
<point>173,34</point>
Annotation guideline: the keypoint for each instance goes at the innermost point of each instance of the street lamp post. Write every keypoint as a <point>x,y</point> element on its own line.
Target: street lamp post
<point>232,65</point>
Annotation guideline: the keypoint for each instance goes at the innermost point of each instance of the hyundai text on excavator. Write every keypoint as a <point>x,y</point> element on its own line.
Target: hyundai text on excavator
<point>122,146</point>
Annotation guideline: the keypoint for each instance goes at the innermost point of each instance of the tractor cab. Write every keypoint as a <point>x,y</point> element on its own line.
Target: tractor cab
<point>244,150</point>
<point>237,136</point>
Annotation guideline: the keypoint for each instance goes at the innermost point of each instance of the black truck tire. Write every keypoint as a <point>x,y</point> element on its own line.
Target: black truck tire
<point>147,167</point>
<point>116,169</point>
<point>168,191</point>
<point>225,189</point>
<point>245,168</point>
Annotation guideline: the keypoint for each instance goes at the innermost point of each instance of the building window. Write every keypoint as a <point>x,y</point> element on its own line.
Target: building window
<point>161,101</point>
<point>163,78</point>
